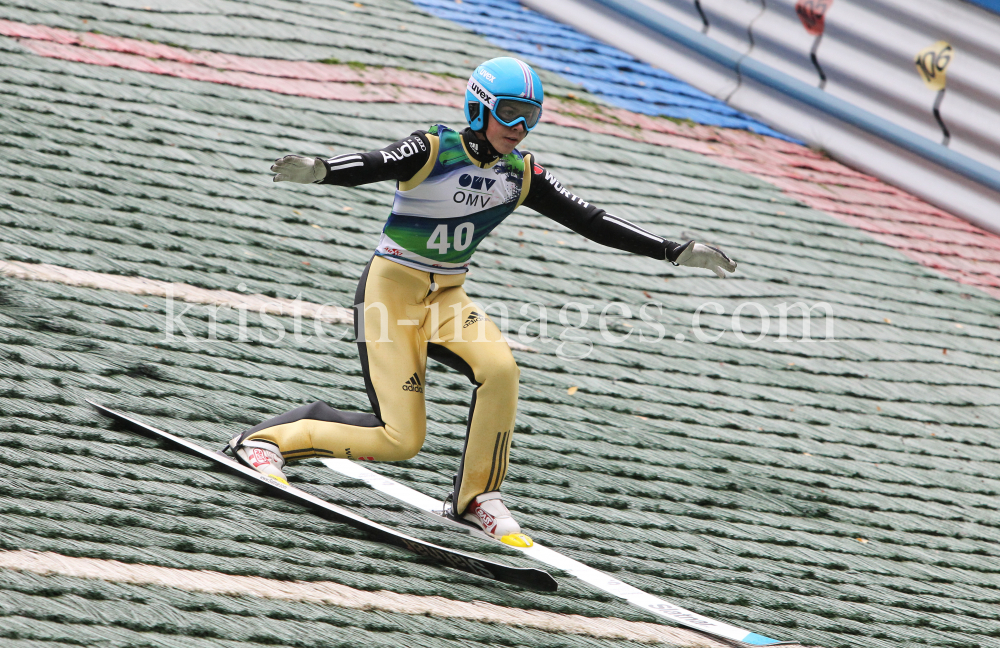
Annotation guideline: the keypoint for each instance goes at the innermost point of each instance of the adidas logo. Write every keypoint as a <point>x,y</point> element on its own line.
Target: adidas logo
<point>413,384</point>
<point>471,319</point>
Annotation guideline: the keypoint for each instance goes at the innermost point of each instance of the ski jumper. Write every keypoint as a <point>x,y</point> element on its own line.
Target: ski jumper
<point>452,191</point>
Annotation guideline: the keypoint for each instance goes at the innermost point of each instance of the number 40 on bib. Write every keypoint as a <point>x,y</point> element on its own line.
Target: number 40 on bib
<point>440,241</point>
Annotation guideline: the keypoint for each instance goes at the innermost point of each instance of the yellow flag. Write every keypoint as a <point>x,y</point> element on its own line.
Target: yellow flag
<point>932,62</point>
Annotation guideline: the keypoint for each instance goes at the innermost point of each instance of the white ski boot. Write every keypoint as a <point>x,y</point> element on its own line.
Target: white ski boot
<point>488,512</point>
<point>262,456</point>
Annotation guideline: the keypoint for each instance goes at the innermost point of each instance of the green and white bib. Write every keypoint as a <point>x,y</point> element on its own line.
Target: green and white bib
<point>441,214</point>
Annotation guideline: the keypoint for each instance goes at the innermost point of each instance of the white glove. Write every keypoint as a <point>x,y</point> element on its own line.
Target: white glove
<point>295,168</point>
<point>696,255</point>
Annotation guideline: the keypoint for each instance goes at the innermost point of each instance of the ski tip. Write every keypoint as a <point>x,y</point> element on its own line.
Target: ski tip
<point>517,540</point>
<point>550,584</point>
<point>104,410</point>
<point>754,639</point>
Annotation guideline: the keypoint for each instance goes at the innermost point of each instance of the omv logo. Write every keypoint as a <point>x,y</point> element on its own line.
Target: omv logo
<point>476,182</point>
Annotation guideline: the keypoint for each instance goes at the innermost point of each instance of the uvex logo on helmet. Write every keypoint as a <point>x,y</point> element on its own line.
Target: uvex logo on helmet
<point>482,94</point>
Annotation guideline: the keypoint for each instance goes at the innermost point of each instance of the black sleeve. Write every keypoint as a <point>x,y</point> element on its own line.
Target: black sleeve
<point>399,161</point>
<point>548,197</point>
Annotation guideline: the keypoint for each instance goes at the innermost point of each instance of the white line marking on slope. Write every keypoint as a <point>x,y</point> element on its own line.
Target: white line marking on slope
<point>187,293</point>
<point>48,563</point>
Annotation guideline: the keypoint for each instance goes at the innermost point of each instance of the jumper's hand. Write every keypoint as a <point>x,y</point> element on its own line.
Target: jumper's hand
<point>295,168</point>
<point>697,255</point>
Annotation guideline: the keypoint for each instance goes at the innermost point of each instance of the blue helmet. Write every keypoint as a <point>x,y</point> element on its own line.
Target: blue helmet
<point>506,87</point>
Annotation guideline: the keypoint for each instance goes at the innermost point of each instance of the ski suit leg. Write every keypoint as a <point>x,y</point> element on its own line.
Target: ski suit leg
<point>407,315</point>
<point>466,340</point>
<point>389,313</point>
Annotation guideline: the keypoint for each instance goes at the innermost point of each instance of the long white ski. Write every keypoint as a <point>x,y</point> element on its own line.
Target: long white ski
<point>553,558</point>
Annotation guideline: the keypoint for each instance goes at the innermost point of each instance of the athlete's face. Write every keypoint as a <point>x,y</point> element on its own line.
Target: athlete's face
<point>504,138</point>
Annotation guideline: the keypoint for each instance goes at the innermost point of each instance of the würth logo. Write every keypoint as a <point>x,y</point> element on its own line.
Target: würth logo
<point>413,384</point>
<point>472,319</point>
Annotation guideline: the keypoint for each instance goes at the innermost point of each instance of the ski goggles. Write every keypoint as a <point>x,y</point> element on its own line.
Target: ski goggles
<point>510,112</point>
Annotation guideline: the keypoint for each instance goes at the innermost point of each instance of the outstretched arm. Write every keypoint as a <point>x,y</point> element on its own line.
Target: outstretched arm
<point>547,196</point>
<point>399,161</point>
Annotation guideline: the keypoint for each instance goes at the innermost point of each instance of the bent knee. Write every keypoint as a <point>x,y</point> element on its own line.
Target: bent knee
<point>503,371</point>
<point>408,449</point>
<point>405,444</point>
